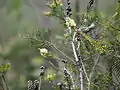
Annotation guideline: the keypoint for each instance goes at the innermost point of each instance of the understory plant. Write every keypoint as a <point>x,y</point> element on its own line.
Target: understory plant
<point>94,39</point>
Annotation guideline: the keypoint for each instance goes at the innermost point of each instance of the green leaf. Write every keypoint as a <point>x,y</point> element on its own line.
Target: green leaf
<point>117,13</point>
<point>1,69</point>
<point>4,68</point>
<point>7,66</point>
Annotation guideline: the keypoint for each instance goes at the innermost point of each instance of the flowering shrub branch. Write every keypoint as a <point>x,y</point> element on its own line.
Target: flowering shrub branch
<point>84,46</point>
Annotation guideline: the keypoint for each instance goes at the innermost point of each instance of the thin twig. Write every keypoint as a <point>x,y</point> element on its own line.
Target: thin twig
<point>85,72</point>
<point>116,78</point>
<point>3,77</point>
<point>74,51</point>
<point>2,86</point>
<point>90,76</point>
<point>62,71</point>
<point>39,82</point>
<point>54,46</point>
<point>115,22</point>
<point>77,10</point>
<point>73,46</point>
<point>59,59</point>
<point>54,66</point>
<point>77,60</point>
<point>95,64</point>
<point>73,85</point>
<point>60,51</point>
<point>116,55</point>
<point>78,46</point>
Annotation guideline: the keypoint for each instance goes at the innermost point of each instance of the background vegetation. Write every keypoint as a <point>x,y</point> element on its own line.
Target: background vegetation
<point>20,18</point>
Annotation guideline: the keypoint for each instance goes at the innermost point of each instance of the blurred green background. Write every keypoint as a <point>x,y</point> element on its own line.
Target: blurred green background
<point>19,17</point>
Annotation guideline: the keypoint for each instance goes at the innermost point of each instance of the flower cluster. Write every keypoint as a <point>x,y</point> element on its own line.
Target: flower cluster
<point>43,52</point>
<point>56,3</point>
<point>56,9</point>
<point>70,22</point>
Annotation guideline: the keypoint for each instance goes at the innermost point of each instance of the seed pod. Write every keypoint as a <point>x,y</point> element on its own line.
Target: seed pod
<point>90,5</point>
<point>68,9</point>
<point>30,85</point>
<point>42,70</point>
<point>36,85</point>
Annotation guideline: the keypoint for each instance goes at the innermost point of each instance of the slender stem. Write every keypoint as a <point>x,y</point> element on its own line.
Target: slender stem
<point>54,46</point>
<point>85,72</point>
<point>68,78</point>
<point>60,51</point>
<point>96,8</point>
<point>115,22</point>
<point>74,48</point>
<point>81,78</point>
<point>4,80</point>
<point>116,77</point>
<point>1,86</point>
<point>74,51</point>
<point>54,66</point>
<point>40,83</point>
<point>61,60</point>
<point>78,61</point>
<point>90,76</point>
<point>71,77</point>
<point>77,10</point>
<point>61,71</point>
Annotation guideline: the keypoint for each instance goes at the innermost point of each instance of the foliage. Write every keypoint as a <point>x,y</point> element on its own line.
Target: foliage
<point>93,46</point>
<point>90,47</point>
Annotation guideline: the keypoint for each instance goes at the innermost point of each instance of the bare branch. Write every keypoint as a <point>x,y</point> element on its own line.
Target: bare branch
<point>116,77</point>
<point>77,61</point>
<point>54,66</point>
<point>85,72</point>
<point>39,83</point>
<point>60,51</point>
<point>115,22</point>
<point>5,81</point>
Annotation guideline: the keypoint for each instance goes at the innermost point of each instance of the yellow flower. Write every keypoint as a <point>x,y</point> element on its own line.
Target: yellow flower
<point>43,51</point>
<point>67,24</point>
<point>47,13</point>
<point>50,77</point>
<point>53,5</point>
<point>59,3</point>
<point>70,22</point>
<point>56,3</point>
